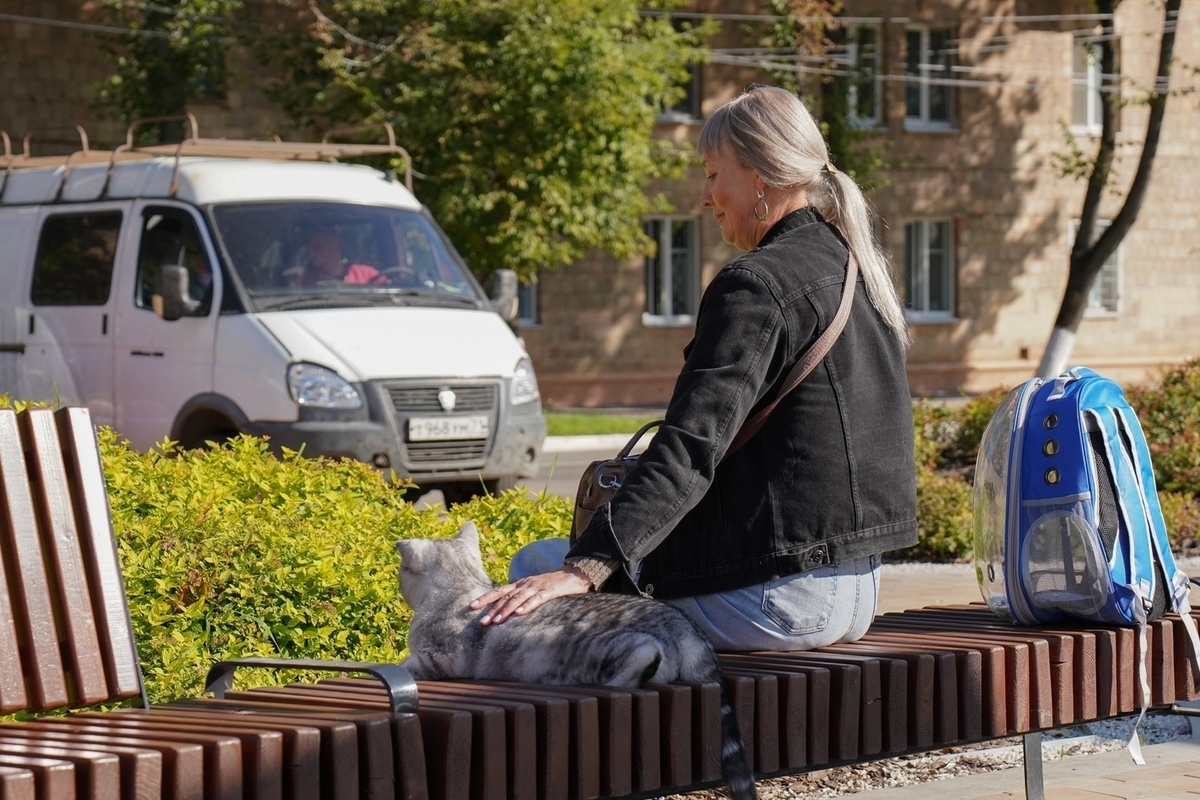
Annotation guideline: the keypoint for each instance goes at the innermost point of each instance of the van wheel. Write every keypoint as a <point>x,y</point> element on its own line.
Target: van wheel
<point>199,437</point>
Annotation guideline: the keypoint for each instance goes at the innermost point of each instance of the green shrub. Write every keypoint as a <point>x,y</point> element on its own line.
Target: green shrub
<point>944,518</point>
<point>1169,411</point>
<point>232,552</point>
<point>1182,515</point>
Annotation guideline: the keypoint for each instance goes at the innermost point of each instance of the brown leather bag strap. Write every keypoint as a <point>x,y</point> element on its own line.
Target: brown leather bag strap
<point>807,362</point>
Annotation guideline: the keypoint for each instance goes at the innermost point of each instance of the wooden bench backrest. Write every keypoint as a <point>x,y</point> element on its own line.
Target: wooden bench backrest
<point>65,634</point>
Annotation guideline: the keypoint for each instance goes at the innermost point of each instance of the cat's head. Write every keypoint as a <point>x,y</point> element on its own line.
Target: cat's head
<point>427,565</point>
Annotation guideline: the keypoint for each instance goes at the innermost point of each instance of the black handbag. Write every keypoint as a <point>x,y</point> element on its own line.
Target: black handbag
<point>602,479</point>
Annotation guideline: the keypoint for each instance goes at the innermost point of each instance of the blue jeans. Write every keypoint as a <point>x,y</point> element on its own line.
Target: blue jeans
<point>830,604</point>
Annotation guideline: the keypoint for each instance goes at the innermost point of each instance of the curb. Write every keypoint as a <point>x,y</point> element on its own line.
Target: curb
<point>572,444</point>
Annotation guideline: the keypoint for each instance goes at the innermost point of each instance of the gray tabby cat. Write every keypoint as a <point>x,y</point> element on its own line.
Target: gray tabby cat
<point>606,639</point>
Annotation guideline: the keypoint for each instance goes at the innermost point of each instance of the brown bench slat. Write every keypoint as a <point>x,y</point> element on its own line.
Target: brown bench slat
<point>54,779</point>
<point>338,769</point>
<point>981,676</point>
<point>300,773</point>
<point>885,708</point>
<point>1024,688</point>
<point>141,770</point>
<point>760,712</point>
<point>17,783</point>
<point>85,475</point>
<point>182,763</point>
<point>706,724</point>
<point>838,731</point>
<point>1185,669</point>
<point>819,700</point>
<point>28,590</point>
<point>675,730</point>
<point>520,721</point>
<point>488,774</point>
<point>223,771</point>
<point>932,689</point>
<point>376,765</point>
<point>553,721</point>
<point>79,642</point>
<point>260,750</point>
<point>571,760</point>
<point>97,775</point>
<point>790,714</point>
<point>1063,668</point>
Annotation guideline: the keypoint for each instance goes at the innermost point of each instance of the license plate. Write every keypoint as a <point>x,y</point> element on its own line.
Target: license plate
<point>426,429</point>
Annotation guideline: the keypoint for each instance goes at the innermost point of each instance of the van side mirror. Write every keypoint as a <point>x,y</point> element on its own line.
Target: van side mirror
<point>504,294</point>
<point>171,300</point>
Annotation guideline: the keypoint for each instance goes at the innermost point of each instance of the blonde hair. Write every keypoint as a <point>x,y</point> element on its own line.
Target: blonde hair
<point>770,131</point>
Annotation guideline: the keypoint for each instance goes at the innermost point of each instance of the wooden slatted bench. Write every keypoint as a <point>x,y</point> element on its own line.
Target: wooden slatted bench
<point>919,680</point>
<point>66,642</point>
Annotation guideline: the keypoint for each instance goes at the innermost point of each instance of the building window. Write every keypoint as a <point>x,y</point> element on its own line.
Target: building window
<point>1085,89</point>
<point>929,269</point>
<point>858,60</point>
<point>688,107</point>
<point>673,272</point>
<point>928,95</point>
<point>527,304</point>
<point>1104,298</point>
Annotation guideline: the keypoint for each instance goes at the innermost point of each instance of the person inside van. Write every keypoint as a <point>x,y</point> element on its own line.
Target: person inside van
<point>327,263</point>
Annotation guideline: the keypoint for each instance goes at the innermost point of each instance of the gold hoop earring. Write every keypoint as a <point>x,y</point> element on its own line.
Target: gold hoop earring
<point>766,209</point>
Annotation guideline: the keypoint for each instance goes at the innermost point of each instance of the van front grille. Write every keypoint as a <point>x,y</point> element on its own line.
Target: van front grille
<point>409,400</point>
<point>422,401</point>
<point>446,452</point>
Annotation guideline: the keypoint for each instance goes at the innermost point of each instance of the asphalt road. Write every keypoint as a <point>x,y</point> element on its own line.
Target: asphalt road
<point>564,459</point>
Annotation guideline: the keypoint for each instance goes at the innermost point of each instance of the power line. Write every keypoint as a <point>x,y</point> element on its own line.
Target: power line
<point>83,26</point>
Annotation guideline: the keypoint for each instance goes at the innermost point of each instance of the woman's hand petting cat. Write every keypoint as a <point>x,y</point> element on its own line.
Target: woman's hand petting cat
<point>528,593</point>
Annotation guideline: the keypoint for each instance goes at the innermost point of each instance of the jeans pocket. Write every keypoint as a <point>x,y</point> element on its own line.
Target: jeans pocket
<point>802,603</point>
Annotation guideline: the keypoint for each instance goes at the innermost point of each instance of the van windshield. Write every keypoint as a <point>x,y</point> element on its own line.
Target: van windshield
<point>313,254</point>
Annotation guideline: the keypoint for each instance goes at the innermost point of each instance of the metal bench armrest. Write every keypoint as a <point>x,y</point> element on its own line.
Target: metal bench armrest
<point>401,688</point>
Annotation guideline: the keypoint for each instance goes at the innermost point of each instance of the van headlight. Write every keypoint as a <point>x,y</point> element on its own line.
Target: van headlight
<point>524,383</point>
<point>318,387</point>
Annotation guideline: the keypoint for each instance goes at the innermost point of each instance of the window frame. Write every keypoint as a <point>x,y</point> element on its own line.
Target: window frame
<point>666,296</point>
<point>851,61</point>
<point>924,313</point>
<point>42,283</point>
<point>688,108</point>
<point>1113,268</point>
<point>924,82</point>
<point>1090,79</point>
<point>528,305</point>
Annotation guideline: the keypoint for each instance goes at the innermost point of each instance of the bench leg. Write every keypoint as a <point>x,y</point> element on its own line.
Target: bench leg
<point>1035,787</point>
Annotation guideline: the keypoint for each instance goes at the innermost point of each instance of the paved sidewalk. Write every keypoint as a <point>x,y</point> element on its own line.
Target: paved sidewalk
<point>1172,772</point>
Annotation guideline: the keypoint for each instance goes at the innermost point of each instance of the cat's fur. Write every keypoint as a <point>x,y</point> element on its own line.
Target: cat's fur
<point>607,639</point>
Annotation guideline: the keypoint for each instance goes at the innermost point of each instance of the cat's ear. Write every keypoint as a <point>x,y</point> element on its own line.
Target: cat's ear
<point>408,548</point>
<point>469,533</point>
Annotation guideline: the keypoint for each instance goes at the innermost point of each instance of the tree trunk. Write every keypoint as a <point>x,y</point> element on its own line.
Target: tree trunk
<point>1088,253</point>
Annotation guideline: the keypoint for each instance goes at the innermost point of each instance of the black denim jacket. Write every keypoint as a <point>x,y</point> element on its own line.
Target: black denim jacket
<point>829,477</point>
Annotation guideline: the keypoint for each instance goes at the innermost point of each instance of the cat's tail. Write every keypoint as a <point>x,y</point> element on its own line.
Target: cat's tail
<point>735,763</point>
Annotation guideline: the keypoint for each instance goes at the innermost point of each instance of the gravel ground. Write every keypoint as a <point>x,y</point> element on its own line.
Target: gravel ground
<point>951,762</point>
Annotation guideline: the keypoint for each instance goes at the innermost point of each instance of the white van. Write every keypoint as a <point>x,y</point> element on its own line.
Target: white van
<point>201,290</point>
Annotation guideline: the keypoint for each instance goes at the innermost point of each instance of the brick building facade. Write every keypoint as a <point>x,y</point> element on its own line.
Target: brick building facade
<point>973,98</point>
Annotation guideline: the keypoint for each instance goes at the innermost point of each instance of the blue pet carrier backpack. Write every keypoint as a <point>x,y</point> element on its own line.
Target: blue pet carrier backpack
<point>1067,519</point>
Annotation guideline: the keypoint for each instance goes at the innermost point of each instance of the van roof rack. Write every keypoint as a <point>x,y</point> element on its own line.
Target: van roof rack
<point>194,145</point>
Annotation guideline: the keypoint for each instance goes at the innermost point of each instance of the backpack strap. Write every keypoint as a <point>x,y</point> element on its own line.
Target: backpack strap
<point>1180,586</point>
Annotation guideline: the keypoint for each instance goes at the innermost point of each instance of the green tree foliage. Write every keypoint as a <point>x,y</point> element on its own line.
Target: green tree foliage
<point>176,52</point>
<point>530,122</point>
